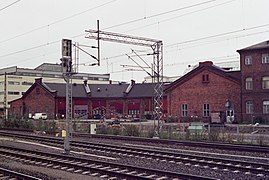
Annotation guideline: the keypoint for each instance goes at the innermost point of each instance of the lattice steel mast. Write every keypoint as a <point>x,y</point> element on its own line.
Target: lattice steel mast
<point>157,75</point>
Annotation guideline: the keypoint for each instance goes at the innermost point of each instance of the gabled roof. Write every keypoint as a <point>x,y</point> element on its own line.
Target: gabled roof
<point>97,90</point>
<point>78,90</point>
<point>262,45</point>
<point>142,90</point>
<point>208,65</point>
<point>38,82</point>
<point>107,90</point>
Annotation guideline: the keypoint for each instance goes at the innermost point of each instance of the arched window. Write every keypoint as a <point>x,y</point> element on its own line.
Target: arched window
<point>249,107</point>
<point>249,83</point>
<point>265,105</point>
<point>265,82</point>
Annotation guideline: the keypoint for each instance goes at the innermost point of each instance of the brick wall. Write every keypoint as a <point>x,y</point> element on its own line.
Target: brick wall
<point>39,100</point>
<point>195,93</point>
<point>257,95</point>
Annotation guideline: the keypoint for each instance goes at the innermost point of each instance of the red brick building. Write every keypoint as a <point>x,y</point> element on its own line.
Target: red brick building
<point>203,93</point>
<point>254,65</point>
<point>88,100</point>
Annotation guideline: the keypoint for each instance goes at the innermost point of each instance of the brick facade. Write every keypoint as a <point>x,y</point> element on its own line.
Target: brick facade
<point>206,84</point>
<point>255,70</point>
<point>50,99</point>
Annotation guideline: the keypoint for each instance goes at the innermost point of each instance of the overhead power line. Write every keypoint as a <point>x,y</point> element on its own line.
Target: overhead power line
<point>9,5</point>
<point>50,43</point>
<point>218,35</point>
<point>55,22</point>
<point>125,23</point>
<point>182,15</point>
<point>159,14</point>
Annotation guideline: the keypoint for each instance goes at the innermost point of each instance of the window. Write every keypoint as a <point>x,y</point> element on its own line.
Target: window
<point>13,83</point>
<point>13,93</point>
<point>26,83</point>
<point>265,58</point>
<point>249,83</point>
<point>265,82</point>
<point>37,91</point>
<point>184,110</point>
<point>133,112</point>
<point>206,111</point>
<point>46,109</point>
<point>249,107</point>
<point>248,60</point>
<point>265,107</point>
<point>205,78</point>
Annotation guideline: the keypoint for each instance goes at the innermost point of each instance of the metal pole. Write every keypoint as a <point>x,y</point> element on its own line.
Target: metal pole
<point>5,97</point>
<point>98,42</point>
<point>67,118</point>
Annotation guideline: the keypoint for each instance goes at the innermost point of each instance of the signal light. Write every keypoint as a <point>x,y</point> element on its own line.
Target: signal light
<point>67,48</point>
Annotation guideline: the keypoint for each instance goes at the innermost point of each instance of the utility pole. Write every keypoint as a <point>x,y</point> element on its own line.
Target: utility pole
<point>5,97</point>
<point>157,48</point>
<point>67,75</point>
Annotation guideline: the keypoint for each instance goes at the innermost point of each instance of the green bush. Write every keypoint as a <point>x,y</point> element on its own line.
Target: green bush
<point>131,130</point>
<point>170,120</point>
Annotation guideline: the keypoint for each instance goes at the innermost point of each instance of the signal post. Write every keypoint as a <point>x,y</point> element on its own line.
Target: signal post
<point>67,75</point>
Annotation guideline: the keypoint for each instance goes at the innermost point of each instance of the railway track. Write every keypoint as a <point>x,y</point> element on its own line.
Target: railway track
<point>200,144</point>
<point>13,175</point>
<point>102,169</point>
<point>205,161</point>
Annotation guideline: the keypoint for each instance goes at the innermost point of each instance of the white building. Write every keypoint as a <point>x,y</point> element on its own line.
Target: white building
<point>15,81</point>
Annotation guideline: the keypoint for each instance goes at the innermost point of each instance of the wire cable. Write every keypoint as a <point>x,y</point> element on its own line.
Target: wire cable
<point>58,21</point>
<point>9,5</point>
<point>159,14</point>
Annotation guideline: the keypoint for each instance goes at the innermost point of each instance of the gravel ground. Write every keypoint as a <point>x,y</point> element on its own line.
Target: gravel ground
<point>39,171</point>
<point>186,149</point>
<point>138,161</point>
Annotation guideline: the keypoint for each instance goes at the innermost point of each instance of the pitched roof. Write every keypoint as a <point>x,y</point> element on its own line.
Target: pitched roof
<point>207,65</point>
<point>142,90</point>
<point>107,90</point>
<point>78,90</point>
<point>98,90</point>
<point>261,45</point>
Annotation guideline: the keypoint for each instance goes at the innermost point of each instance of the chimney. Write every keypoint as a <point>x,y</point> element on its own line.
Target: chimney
<point>38,80</point>
<point>86,86</point>
<point>85,82</point>
<point>206,63</point>
<point>130,87</point>
<point>132,82</point>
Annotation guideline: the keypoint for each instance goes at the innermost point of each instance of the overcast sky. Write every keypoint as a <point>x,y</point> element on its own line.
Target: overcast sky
<point>191,30</point>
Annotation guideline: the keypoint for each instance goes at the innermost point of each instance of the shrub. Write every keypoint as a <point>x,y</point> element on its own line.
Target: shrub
<point>131,130</point>
<point>170,120</point>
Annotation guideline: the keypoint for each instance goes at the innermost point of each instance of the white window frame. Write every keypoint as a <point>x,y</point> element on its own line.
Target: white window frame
<point>249,107</point>
<point>184,110</point>
<point>265,82</point>
<point>265,58</point>
<point>248,60</point>
<point>206,110</point>
<point>265,107</point>
<point>249,83</point>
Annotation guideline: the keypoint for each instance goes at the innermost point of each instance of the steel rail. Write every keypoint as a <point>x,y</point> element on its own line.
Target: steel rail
<point>9,174</point>
<point>103,168</point>
<point>247,166</point>
<point>224,146</point>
